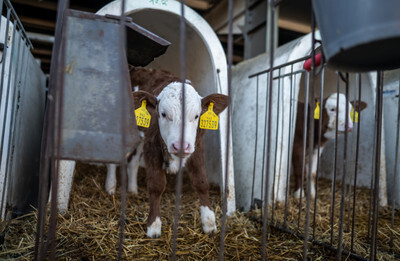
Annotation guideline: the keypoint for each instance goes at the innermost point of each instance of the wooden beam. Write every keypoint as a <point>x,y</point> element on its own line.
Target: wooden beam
<point>294,26</point>
<point>40,4</point>
<point>37,23</point>
<point>199,4</point>
<point>46,52</point>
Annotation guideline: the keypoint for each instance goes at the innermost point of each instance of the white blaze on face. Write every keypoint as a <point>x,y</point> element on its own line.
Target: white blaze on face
<point>170,117</point>
<point>340,112</point>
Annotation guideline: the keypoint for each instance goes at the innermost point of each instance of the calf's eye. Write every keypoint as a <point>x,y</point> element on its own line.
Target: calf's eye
<point>333,109</point>
<point>196,117</point>
<point>163,115</point>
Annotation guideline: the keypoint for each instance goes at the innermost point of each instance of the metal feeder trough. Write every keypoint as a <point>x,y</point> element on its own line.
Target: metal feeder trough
<point>92,101</point>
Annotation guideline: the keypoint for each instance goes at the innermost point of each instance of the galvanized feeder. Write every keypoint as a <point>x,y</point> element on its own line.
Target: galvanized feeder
<point>92,101</point>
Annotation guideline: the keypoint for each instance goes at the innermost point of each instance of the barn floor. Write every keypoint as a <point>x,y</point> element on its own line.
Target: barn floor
<point>89,231</point>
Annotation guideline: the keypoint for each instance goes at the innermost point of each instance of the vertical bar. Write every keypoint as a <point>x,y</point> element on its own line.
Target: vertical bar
<point>48,142</point>
<point>276,147</point>
<point>377,165</point>
<point>304,151</point>
<point>271,64</point>
<point>124,112</point>
<point>321,98</point>
<point>335,162</point>
<point>290,148</point>
<point>255,147</point>
<point>311,132</point>
<point>394,190</point>
<point>356,167</point>
<point>178,190</point>
<point>343,196</point>
<point>266,126</point>
<point>225,198</point>
<point>371,183</point>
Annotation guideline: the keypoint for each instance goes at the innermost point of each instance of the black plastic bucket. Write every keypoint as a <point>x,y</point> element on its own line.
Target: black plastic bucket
<point>360,35</point>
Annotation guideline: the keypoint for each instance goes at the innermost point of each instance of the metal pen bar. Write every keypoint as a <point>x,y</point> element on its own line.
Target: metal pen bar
<point>304,151</point>
<point>394,190</point>
<point>255,147</point>
<point>289,156</point>
<point>321,98</point>
<point>276,149</point>
<point>280,66</point>
<point>266,126</point>
<point>343,196</point>
<point>335,164</point>
<point>311,132</point>
<point>271,53</point>
<point>124,112</point>
<point>15,16</point>
<point>178,190</point>
<point>225,198</point>
<point>377,165</point>
<point>356,167</point>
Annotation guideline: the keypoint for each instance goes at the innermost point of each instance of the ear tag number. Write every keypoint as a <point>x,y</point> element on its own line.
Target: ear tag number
<point>143,116</point>
<point>354,116</point>
<point>316,111</point>
<point>209,120</point>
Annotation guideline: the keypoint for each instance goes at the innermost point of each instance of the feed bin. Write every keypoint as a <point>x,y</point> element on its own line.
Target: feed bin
<point>249,129</point>
<point>205,67</point>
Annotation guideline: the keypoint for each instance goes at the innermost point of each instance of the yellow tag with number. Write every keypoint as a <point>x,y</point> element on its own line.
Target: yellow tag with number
<point>316,111</point>
<point>143,116</point>
<point>209,120</point>
<point>354,116</point>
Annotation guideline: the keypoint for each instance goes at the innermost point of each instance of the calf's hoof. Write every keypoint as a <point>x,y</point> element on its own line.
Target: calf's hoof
<point>110,189</point>
<point>297,193</point>
<point>133,190</point>
<point>208,220</point>
<point>154,230</point>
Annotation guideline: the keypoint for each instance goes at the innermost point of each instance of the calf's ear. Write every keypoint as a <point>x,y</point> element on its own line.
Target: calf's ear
<point>220,102</point>
<point>359,106</point>
<point>139,96</point>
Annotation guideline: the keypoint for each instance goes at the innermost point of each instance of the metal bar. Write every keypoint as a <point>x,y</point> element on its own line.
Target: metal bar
<point>4,117</point>
<point>371,184</point>
<point>271,60</point>
<point>377,165</point>
<point>225,198</point>
<point>178,190</point>
<point>334,164</point>
<point>18,22</point>
<point>311,132</point>
<point>265,139</point>
<point>124,113</point>
<point>344,171</point>
<point>276,149</point>
<point>356,167</point>
<point>255,147</point>
<point>280,66</point>
<point>48,144</point>
<point>289,150</point>
<point>303,164</point>
<point>394,190</point>
<point>321,98</point>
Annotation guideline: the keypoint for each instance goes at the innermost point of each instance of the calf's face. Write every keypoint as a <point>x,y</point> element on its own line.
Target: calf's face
<point>170,117</point>
<point>333,111</point>
<point>167,109</point>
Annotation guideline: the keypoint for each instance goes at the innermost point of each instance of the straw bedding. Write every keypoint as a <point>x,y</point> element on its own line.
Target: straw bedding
<point>89,231</point>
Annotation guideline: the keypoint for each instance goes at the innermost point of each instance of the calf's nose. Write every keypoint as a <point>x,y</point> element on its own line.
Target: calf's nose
<point>175,147</point>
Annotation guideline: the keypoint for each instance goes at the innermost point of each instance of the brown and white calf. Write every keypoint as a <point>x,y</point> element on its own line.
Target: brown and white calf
<point>162,141</point>
<point>330,112</point>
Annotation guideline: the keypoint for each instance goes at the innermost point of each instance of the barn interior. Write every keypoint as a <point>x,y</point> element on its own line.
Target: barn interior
<point>90,228</point>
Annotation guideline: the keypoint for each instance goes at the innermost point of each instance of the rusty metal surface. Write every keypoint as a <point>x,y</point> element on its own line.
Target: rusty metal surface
<point>92,102</point>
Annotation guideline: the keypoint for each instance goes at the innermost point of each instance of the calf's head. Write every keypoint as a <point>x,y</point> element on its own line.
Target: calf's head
<point>166,108</point>
<point>332,111</point>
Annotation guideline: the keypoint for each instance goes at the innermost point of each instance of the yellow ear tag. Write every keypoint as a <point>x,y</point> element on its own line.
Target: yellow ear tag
<point>209,120</point>
<point>354,116</point>
<point>316,111</point>
<point>142,115</point>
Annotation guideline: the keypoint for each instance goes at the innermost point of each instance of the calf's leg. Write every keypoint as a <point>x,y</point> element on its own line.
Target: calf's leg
<point>199,182</point>
<point>133,167</point>
<point>111,180</point>
<point>156,182</point>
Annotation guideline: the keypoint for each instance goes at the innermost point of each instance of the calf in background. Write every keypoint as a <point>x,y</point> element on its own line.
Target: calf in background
<point>330,112</point>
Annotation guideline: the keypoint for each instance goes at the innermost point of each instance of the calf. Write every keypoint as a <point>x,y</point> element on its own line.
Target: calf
<point>329,114</point>
<point>161,146</point>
